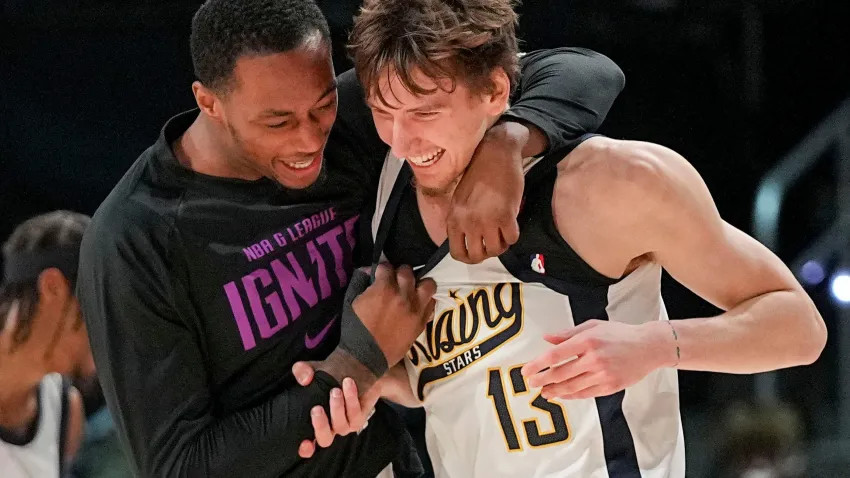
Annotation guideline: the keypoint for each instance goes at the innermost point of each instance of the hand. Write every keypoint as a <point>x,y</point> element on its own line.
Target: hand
<point>601,358</point>
<point>395,309</point>
<point>482,220</point>
<point>348,412</point>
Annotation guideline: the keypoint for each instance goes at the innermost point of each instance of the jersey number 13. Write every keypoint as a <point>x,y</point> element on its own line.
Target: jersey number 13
<point>558,432</point>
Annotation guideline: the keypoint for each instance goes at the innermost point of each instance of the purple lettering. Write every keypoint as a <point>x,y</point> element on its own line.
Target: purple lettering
<point>273,299</point>
<point>331,238</point>
<point>267,246</point>
<point>316,259</point>
<point>297,282</point>
<point>307,225</point>
<point>258,251</point>
<point>298,229</point>
<point>332,213</point>
<point>349,225</point>
<point>250,254</point>
<point>280,239</point>
<point>242,323</point>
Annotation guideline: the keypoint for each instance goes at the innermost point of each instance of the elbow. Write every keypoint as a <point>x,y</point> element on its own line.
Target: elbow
<point>611,77</point>
<point>812,339</point>
<point>617,79</point>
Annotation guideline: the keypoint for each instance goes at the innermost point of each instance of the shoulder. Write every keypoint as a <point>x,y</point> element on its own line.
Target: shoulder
<point>143,206</point>
<point>123,223</point>
<point>128,242</point>
<point>348,86</point>
<point>553,54</point>
<point>606,173</point>
<point>351,100</point>
<point>614,199</point>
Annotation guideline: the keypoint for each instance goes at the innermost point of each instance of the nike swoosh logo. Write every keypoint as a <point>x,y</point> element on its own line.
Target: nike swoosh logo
<point>313,342</point>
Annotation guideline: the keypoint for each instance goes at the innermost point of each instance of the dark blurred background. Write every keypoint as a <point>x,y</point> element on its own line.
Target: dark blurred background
<point>733,85</point>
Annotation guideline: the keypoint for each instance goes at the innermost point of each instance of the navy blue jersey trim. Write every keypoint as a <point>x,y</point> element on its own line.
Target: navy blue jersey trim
<point>63,424</point>
<point>388,214</point>
<point>589,302</point>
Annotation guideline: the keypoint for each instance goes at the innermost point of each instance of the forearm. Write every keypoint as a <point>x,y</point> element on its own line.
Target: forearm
<point>395,387</point>
<point>772,331</point>
<point>341,364</point>
<point>263,441</point>
<point>523,135</point>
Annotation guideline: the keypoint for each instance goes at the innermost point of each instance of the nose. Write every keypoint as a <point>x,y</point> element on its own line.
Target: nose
<point>311,137</point>
<point>402,139</point>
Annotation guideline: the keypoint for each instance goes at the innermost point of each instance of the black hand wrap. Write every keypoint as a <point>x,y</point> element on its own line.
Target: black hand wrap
<point>355,338</point>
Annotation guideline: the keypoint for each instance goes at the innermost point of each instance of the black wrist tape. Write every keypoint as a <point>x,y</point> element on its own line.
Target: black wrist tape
<point>355,338</point>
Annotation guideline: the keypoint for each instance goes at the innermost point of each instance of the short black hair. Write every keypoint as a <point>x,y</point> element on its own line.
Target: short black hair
<point>44,232</point>
<point>225,30</point>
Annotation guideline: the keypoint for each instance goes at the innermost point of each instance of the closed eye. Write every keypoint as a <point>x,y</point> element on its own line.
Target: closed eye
<point>277,125</point>
<point>330,104</point>
<point>379,112</point>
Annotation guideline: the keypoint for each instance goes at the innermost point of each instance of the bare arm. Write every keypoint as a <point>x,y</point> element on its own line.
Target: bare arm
<point>396,387</point>
<point>658,207</point>
<point>74,431</point>
<point>769,323</point>
<point>622,203</point>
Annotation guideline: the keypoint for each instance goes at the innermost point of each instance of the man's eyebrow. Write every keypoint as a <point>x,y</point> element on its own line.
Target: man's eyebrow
<point>274,112</point>
<point>436,104</point>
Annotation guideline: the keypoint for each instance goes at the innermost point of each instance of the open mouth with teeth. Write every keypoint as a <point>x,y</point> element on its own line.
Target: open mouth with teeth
<point>301,164</point>
<point>426,159</point>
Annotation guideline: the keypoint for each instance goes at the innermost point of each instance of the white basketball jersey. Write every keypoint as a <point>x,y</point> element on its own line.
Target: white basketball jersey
<point>482,419</point>
<point>39,458</point>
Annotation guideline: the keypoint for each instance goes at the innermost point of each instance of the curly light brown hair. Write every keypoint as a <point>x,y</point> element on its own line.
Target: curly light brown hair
<point>456,40</point>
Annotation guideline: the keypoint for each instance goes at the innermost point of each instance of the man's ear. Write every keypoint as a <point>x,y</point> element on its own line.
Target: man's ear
<point>208,101</point>
<point>499,92</point>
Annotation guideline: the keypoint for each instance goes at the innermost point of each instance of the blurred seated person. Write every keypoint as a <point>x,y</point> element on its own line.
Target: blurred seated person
<point>759,441</point>
<point>43,345</point>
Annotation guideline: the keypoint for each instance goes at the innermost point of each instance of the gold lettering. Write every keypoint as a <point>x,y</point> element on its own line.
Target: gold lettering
<point>459,326</point>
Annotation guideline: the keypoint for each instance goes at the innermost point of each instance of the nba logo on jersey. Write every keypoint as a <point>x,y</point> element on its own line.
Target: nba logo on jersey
<point>537,264</point>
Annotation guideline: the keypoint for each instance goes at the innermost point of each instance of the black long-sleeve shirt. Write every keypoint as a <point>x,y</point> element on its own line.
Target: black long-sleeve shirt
<point>200,293</point>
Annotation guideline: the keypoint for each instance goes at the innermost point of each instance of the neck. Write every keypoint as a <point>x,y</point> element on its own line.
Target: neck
<point>435,210</point>
<point>202,150</point>
<point>18,394</point>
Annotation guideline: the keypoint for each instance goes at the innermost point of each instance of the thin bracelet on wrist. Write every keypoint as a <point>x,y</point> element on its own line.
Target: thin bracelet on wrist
<point>676,339</point>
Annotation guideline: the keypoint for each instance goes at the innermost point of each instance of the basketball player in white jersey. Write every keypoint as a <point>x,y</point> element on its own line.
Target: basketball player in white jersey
<point>42,338</point>
<point>584,275</point>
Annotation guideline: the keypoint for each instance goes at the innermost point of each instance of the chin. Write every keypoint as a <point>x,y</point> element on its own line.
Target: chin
<point>437,189</point>
<point>302,182</point>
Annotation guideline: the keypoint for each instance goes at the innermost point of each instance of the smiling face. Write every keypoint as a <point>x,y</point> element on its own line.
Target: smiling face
<point>280,112</point>
<point>438,132</point>
<point>437,74</point>
<point>266,86</point>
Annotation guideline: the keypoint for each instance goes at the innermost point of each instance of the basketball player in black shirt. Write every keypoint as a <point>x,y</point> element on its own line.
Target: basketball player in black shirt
<point>223,255</point>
